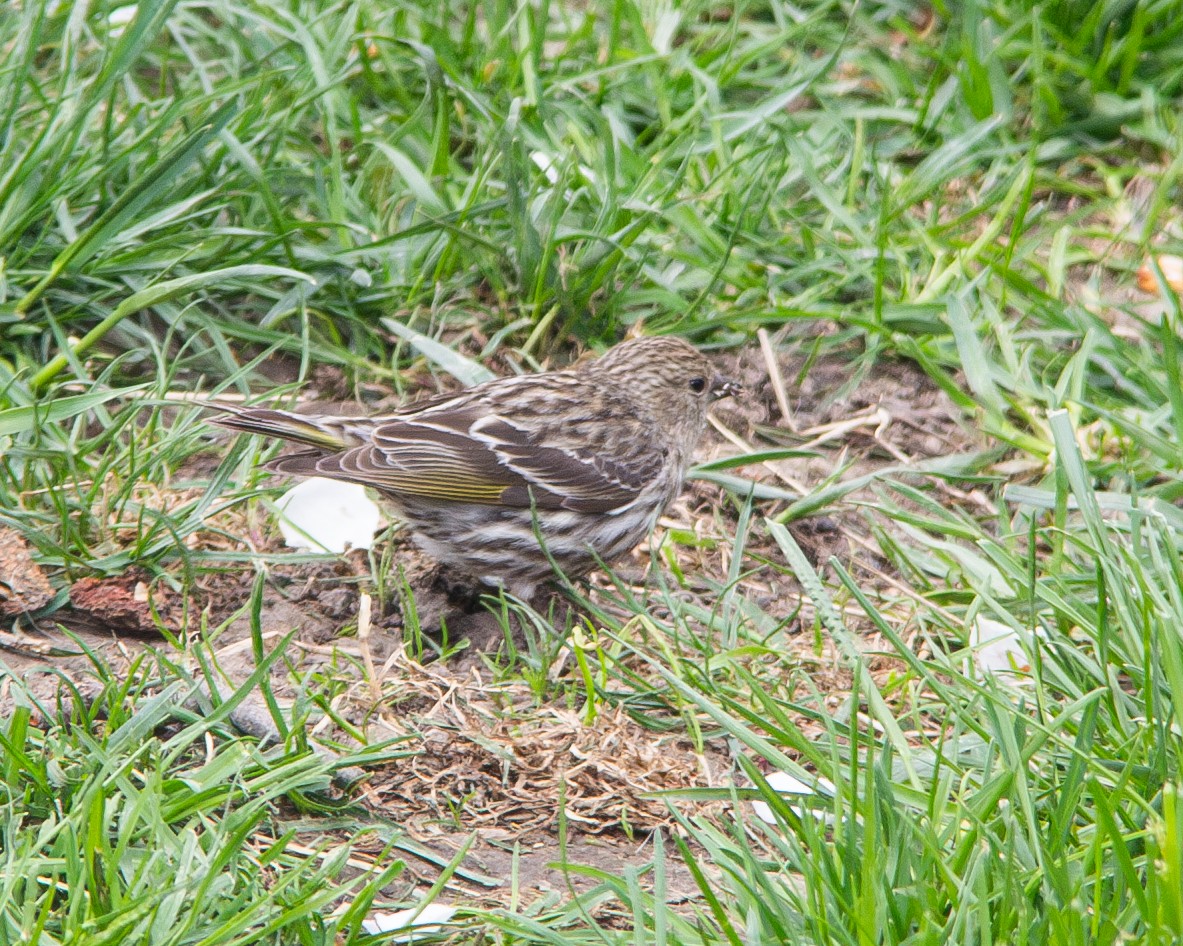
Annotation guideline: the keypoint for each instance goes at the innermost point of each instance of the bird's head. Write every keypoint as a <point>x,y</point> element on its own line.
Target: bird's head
<point>668,378</point>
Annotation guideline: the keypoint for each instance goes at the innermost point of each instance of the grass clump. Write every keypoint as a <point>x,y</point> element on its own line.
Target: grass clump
<point>122,826</point>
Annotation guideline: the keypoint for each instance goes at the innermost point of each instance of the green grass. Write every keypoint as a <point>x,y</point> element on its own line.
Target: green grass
<point>221,193</point>
<point>118,830</point>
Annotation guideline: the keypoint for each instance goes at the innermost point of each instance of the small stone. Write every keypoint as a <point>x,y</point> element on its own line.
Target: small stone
<point>337,602</point>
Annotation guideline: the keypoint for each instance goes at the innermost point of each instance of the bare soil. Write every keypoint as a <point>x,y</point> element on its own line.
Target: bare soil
<point>490,756</point>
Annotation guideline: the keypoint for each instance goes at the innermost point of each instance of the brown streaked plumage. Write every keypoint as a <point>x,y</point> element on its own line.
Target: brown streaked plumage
<point>586,458</point>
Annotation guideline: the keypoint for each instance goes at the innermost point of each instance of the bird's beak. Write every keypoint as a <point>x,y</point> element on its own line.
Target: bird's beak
<point>724,387</point>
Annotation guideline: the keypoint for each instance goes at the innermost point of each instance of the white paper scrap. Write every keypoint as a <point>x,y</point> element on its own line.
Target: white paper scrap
<point>325,515</point>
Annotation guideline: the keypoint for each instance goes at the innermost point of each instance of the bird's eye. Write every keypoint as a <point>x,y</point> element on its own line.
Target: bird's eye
<point>698,385</point>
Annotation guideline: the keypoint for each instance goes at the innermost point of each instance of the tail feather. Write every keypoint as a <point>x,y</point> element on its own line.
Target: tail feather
<point>322,433</point>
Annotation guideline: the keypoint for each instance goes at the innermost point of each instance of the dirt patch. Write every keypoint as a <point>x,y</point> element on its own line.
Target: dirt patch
<point>23,585</point>
<point>488,767</point>
<point>489,757</point>
<point>865,417</point>
<point>543,868</point>
<point>485,759</point>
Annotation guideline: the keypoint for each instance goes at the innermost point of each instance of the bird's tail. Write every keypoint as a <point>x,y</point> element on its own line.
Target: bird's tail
<point>323,433</point>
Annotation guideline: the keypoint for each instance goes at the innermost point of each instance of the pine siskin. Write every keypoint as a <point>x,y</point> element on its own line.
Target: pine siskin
<point>585,458</point>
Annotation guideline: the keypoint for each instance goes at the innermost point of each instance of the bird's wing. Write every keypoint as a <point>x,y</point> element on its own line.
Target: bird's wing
<point>468,454</point>
<point>587,476</point>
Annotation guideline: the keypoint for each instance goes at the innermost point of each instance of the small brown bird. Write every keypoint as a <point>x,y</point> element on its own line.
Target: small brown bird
<point>584,459</point>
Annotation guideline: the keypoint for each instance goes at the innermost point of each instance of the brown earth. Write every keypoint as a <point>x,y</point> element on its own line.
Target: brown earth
<point>490,755</point>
